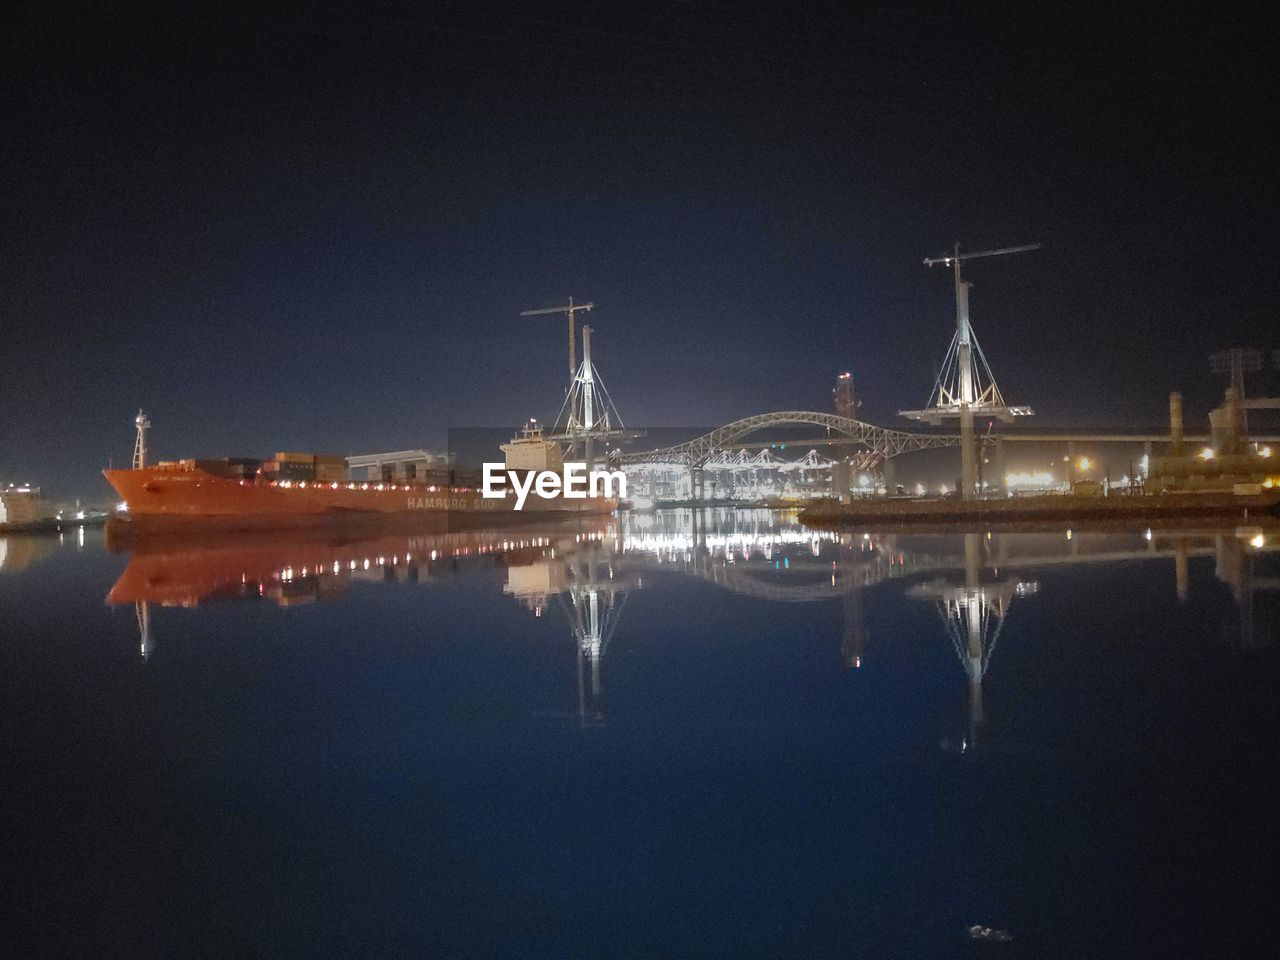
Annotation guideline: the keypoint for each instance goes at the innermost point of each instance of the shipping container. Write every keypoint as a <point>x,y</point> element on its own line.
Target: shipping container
<point>296,471</point>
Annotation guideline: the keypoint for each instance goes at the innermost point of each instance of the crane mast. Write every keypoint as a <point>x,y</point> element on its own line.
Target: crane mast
<point>571,309</point>
<point>965,386</point>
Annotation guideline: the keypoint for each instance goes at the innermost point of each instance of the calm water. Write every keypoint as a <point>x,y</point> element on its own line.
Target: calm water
<point>734,738</point>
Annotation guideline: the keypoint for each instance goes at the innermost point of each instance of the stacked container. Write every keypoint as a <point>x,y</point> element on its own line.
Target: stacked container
<point>295,466</point>
<point>330,469</point>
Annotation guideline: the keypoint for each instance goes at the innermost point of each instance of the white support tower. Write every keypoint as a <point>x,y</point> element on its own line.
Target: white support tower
<point>588,416</point>
<point>966,387</point>
<point>143,423</point>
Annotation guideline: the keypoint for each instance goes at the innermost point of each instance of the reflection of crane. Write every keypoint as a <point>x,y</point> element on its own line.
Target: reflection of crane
<point>591,592</point>
<point>974,614</point>
<point>571,310</point>
<point>593,608</point>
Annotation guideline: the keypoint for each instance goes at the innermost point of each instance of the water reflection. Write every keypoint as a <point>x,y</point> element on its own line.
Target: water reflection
<point>18,552</point>
<point>973,612</point>
<point>752,712</point>
<point>583,572</point>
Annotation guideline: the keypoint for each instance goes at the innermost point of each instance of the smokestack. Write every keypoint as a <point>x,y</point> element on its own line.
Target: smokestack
<point>1175,421</point>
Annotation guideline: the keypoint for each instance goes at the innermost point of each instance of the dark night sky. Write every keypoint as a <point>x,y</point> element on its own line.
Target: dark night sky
<point>313,229</point>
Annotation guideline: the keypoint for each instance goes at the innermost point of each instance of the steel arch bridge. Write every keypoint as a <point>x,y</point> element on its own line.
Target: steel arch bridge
<point>885,442</point>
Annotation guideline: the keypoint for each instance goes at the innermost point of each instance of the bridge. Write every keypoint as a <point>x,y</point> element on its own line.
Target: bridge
<point>882,440</point>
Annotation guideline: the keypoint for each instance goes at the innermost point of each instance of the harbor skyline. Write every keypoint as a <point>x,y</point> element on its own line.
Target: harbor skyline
<point>684,479</point>
<point>277,231</point>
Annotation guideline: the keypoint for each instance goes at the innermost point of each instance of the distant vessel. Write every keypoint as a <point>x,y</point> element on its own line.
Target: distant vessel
<point>296,489</point>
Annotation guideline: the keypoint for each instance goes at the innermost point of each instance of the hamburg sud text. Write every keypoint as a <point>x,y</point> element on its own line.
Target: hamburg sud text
<point>574,483</point>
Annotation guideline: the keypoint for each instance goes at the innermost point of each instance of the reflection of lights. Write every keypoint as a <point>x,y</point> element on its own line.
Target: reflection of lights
<point>122,507</point>
<point>1257,541</point>
<point>1148,535</point>
<point>920,490</point>
<point>1264,451</point>
<point>1207,453</point>
<point>1069,534</point>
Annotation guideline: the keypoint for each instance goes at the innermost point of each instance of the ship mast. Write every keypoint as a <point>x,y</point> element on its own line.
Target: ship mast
<point>143,423</point>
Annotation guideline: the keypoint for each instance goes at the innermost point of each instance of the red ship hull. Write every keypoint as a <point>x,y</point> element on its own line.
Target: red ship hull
<point>166,496</point>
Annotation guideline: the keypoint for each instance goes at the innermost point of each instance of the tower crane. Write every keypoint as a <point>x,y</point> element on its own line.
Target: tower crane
<point>571,310</point>
<point>966,387</point>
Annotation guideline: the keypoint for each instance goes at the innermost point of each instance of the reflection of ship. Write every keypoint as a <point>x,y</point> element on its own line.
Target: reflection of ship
<point>303,566</point>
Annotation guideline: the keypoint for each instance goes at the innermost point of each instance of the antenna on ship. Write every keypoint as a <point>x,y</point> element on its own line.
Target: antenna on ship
<point>571,310</point>
<point>143,423</point>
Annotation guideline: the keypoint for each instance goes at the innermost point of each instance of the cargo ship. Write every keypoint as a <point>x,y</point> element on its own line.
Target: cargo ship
<point>299,489</point>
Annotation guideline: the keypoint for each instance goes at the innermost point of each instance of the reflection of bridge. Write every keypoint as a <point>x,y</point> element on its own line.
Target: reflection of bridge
<point>802,582</point>
<point>759,557</point>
